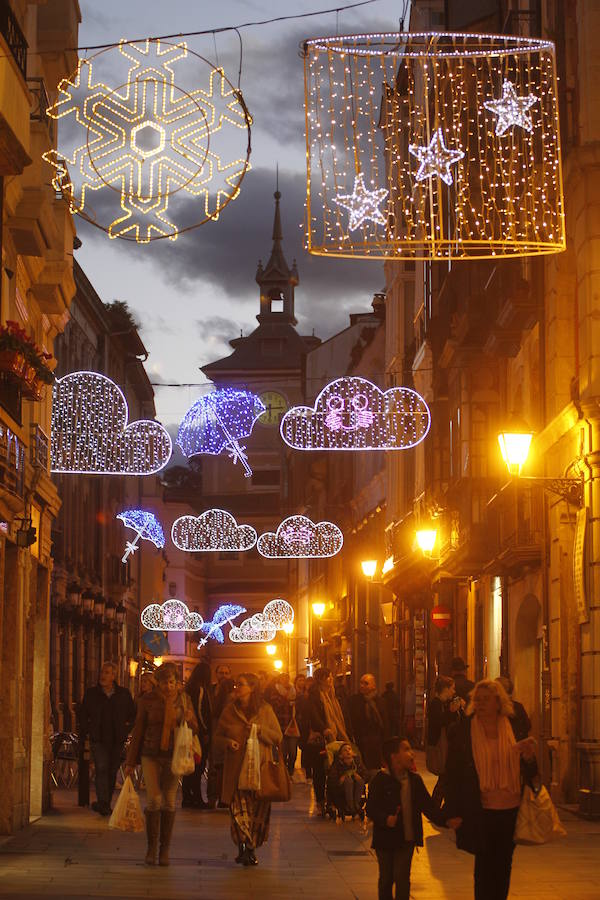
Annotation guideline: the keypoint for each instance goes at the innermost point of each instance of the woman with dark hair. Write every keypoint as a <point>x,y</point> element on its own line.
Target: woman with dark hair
<point>485,772</point>
<point>326,724</point>
<point>243,723</point>
<point>159,712</point>
<point>198,690</point>
<point>443,710</point>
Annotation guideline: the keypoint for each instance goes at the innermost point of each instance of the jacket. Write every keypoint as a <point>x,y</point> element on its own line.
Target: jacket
<point>461,785</point>
<point>234,726</point>
<point>202,706</point>
<point>385,796</point>
<point>147,731</point>
<point>463,685</point>
<point>439,716</point>
<point>369,733</point>
<point>96,708</point>
<point>337,772</point>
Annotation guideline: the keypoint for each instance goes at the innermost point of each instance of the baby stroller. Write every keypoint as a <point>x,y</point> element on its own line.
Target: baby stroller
<point>336,799</point>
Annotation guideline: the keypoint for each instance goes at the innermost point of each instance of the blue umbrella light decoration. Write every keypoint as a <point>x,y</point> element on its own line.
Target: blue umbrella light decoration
<point>213,629</point>
<point>218,422</point>
<point>146,526</point>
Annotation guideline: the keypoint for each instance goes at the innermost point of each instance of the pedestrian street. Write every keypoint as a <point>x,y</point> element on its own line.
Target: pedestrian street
<point>71,853</point>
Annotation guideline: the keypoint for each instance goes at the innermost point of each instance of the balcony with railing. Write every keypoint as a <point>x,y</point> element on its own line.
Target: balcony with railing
<point>14,96</point>
<point>39,448</point>
<point>13,36</point>
<point>516,517</point>
<point>12,470</point>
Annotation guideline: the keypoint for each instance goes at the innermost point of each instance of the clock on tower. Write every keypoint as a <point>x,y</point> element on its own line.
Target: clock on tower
<point>276,406</point>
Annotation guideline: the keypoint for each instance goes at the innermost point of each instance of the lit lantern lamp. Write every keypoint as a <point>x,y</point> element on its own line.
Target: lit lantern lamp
<point>271,649</point>
<point>426,538</point>
<point>369,567</point>
<point>318,609</point>
<point>288,628</point>
<point>278,663</point>
<point>514,446</point>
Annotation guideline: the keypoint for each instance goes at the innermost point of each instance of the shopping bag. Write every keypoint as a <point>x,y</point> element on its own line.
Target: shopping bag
<point>183,762</point>
<point>292,729</point>
<point>197,749</point>
<point>249,779</point>
<point>275,782</point>
<point>537,820</point>
<point>127,814</point>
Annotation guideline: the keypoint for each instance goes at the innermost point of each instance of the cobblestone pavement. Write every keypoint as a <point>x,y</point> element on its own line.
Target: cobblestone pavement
<point>72,853</point>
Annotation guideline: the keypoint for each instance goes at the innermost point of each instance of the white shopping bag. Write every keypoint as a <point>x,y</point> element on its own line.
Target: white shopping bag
<point>249,779</point>
<point>127,814</point>
<point>183,762</point>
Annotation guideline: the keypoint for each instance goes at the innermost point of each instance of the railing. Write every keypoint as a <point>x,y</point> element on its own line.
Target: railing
<point>39,113</point>
<point>12,462</point>
<point>39,447</point>
<point>14,37</point>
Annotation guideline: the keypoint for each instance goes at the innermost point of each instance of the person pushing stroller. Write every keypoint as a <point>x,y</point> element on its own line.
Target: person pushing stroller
<point>346,782</point>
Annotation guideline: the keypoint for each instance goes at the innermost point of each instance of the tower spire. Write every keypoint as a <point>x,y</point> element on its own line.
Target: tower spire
<point>276,279</point>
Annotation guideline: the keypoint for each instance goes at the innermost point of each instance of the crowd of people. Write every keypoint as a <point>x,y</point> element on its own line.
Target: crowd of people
<point>351,748</point>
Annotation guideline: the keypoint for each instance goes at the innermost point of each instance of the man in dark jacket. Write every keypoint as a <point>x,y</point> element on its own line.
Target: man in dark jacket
<point>369,723</point>
<point>461,682</point>
<point>106,716</point>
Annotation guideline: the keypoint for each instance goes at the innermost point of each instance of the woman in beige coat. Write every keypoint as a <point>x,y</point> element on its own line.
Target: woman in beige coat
<point>250,814</point>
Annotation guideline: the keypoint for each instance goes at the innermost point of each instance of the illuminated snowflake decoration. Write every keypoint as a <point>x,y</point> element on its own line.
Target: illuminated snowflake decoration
<point>216,530</point>
<point>435,159</point>
<point>262,627</point>
<point>149,138</point>
<point>146,526</point>
<point>511,109</point>
<point>214,628</point>
<point>362,204</point>
<point>172,615</point>
<point>297,537</point>
<point>352,413</point>
<point>90,433</point>
<point>218,422</point>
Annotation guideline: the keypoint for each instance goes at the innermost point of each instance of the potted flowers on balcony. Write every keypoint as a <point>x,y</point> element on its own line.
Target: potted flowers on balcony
<point>23,361</point>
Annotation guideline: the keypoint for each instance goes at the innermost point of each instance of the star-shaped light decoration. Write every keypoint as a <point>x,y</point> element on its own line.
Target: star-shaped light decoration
<point>362,204</point>
<point>511,109</point>
<point>435,159</point>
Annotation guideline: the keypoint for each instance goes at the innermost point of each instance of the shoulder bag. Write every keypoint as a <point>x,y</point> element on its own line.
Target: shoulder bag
<point>275,782</point>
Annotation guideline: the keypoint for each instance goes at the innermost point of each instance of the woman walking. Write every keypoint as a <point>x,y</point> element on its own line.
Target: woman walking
<point>245,721</point>
<point>442,711</point>
<point>326,725</point>
<point>159,713</point>
<point>198,690</point>
<point>485,772</point>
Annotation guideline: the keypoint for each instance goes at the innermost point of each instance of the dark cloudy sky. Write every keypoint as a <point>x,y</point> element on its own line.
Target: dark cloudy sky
<point>191,296</point>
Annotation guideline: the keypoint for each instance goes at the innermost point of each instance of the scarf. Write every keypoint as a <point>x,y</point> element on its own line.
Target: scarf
<point>371,711</point>
<point>169,722</point>
<point>506,776</point>
<point>334,715</point>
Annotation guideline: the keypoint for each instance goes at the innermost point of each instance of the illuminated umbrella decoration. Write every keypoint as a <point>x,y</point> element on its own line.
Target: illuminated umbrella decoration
<point>222,616</point>
<point>146,526</point>
<point>218,422</point>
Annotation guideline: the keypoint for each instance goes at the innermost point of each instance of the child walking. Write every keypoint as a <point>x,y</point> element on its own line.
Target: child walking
<point>397,798</point>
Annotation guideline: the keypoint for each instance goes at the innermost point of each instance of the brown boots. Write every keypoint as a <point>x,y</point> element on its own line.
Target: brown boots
<point>167,820</point>
<point>152,830</point>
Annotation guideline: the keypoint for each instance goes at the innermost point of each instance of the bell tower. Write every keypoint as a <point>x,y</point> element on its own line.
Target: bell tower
<point>277,281</point>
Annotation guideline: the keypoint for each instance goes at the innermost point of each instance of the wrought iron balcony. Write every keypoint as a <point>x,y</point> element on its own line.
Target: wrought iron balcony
<point>14,37</point>
<point>12,462</point>
<point>39,112</point>
<point>39,447</point>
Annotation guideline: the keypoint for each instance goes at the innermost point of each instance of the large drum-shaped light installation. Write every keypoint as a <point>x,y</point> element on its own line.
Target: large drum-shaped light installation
<point>432,146</point>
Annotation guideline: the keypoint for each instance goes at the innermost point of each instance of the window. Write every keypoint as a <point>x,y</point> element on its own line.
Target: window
<point>277,304</point>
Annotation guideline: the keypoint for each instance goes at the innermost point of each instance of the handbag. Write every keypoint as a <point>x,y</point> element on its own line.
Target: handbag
<point>436,754</point>
<point>183,762</point>
<point>537,819</point>
<point>292,729</point>
<point>127,814</point>
<point>275,782</point>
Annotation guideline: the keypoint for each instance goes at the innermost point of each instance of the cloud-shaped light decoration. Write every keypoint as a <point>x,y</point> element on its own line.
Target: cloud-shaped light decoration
<point>263,626</point>
<point>172,615</point>
<point>352,413</point>
<point>218,422</point>
<point>297,537</point>
<point>255,630</point>
<point>146,527</point>
<point>91,434</point>
<point>216,530</point>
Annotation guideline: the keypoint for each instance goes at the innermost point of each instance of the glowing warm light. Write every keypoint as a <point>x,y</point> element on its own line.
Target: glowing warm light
<point>172,615</point>
<point>388,565</point>
<point>217,422</point>
<point>146,527</point>
<point>271,649</point>
<point>297,537</point>
<point>514,446</point>
<point>90,433</point>
<point>278,664</point>
<point>144,140</point>
<point>426,538</point>
<point>133,667</point>
<point>288,628</point>
<point>352,413</point>
<point>451,141</point>
<point>216,530</point>
<point>369,567</point>
<point>158,661</point>
<point>318,609</point>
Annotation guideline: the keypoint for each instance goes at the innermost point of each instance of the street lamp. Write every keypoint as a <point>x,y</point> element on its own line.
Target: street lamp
<point>288,628</point>
<point>514,445</point>
<point>271,649</point>
<point>278,663</point>
<point>318,609</point>
<point>369,567</point>
<point>426,538</point>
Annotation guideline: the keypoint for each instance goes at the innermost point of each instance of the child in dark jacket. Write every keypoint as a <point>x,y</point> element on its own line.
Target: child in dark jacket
<point>346,781</point>
<point>397,799</point>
